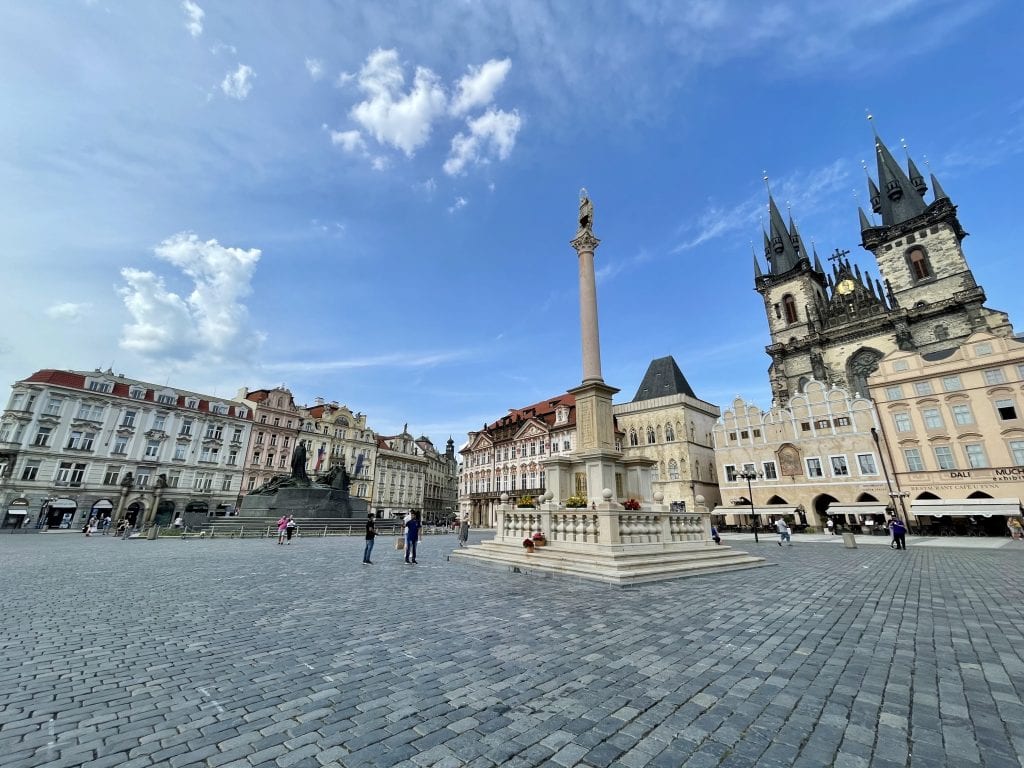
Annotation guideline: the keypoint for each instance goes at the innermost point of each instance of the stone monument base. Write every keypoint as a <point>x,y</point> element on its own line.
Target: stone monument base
<point>608,544</point>
<point>312,502</point>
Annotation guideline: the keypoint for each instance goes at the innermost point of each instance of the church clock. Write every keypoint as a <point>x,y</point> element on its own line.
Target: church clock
<point>846,286</point>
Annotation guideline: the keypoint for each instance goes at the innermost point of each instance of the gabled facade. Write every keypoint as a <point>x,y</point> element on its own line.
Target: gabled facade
<point>340,438</point>
<point>81,444</point>
<point>835,325</point>
<point>667,422</point>
<point>440,499</point>
<point>277,426</point>
<point>401,475</point>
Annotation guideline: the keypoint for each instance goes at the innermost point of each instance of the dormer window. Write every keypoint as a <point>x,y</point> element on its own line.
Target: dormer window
<point>192,402</point>
<point>893,190</point>
<point>100,386</point>
<point>778,245</point>
<point>167,399</point>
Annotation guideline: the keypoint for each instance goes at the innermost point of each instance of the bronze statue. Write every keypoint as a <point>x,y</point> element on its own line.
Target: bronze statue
<point>586,217</point>
<point>299,462</point>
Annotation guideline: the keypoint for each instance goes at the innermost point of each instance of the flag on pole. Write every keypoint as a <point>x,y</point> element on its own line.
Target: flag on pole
<point>319,457</point>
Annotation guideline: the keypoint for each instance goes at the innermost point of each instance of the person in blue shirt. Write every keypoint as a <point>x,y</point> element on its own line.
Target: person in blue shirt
<point>412,535</point>
<point>899,533</point>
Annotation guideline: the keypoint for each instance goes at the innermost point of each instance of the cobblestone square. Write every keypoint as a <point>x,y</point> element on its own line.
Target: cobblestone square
<point>244,653</point>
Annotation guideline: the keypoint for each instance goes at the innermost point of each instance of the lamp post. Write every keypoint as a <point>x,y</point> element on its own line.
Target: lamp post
<point>749,475</point>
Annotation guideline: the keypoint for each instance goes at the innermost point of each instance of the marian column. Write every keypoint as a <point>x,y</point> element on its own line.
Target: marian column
<point>595,431</point>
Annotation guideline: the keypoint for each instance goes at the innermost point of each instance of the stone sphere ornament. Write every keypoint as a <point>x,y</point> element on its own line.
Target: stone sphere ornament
<point>607,494</point>
<point>698,499</point>
<point>504,498</point>
<point>659,497</point>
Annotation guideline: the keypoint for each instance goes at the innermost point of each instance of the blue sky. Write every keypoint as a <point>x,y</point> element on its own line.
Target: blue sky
<point>372,202</point>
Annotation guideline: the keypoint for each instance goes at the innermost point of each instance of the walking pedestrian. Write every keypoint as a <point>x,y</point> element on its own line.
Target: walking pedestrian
<point>715,537</point>
<point>282,524</point>
<point>464,532</point>
<point>289,528</point>
<point>1016,529</point>
<point>784,532</point>
<point>371,532</point>
<point>899,533</point>
<point>831,527</point>
<point>412,535</point>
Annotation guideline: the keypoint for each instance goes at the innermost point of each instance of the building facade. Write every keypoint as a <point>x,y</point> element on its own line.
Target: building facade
<point>342,439</point>
<point>814,458</point>
<point>439,491</point>
<point>401,475</point>
<point>955,421</point>
<point>667,422</point>
<point>81,444</point>
<point>277,425</point>
<point>505,456</point>
<point>835,325</point>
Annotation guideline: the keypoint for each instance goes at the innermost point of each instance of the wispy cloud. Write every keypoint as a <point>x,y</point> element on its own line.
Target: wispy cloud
<point>610,269</point>
<point>393,360</point>
<point>315,67</point>
<point>460,203</point>
<point>804,190</point>
<point>68,311</point>
<point>493,134</point>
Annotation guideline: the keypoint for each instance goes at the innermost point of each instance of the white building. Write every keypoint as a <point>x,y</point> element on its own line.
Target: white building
<point>77,444</point>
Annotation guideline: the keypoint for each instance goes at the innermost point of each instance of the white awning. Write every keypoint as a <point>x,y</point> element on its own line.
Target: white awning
<point>744,509</point>
<point>963,507</point>
<point>16,512</point>
<point>857,508</point>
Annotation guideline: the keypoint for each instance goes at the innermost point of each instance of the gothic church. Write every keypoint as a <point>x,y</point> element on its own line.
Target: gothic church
<point>835,325</point>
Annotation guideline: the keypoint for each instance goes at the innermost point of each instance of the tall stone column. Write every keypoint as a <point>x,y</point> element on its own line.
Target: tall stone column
<point>585,243</point>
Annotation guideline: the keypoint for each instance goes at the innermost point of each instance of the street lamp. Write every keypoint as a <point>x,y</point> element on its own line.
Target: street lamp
<point>749,475</point>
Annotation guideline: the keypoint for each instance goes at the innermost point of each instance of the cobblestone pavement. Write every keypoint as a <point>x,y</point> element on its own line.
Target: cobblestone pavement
<point>245,653</point>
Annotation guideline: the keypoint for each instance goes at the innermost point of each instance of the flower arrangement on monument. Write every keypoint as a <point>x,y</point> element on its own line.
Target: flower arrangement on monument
<point>576,502</point>
<point>633,504</point>
<point>525,502</point>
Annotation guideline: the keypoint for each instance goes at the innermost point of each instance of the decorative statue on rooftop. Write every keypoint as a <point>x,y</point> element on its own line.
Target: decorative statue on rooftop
<point>586,217</point>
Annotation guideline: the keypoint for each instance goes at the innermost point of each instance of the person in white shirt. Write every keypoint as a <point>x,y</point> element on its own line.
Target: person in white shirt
<point>783,529</point>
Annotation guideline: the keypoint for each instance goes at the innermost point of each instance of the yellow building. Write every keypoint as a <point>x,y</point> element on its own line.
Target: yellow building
<point>955,423</point>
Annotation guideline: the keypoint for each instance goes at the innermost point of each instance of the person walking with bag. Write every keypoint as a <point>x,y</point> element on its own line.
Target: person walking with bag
<point>412,535</point>
<point>464,532</point>
<point>371,532</point>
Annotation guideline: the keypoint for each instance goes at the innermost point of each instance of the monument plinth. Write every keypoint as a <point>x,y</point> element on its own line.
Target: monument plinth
<point>325,497</point>
<point>603,540</point>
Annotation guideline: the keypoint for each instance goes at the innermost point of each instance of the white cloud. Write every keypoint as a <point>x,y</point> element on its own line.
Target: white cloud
<point>195,16</point>
<point>350,141</point>
<point>380,163</point>
<point>238,84</point>
<point>493,133</point>
<point>211,322</point>
<point>399,119</point>
<point>460,202</point>
<point>315,67</point>
<point>477,88</point>
<point>68,311</point>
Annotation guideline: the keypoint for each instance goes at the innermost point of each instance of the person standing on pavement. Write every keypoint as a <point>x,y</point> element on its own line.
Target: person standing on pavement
<point>831,527</point>
<point>412,535</point>
<point>899,533</point>
<point>783,529</point>
<point>464,532</point>
<point>1016,529</point>
<point>371,532</point>
<point>281,525</point>
<point>289,528</point>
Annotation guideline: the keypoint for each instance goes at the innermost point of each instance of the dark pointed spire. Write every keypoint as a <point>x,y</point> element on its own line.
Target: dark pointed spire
<point>897,202</point>
<point>874,195</point>
<point>757,265</point>
<point>784,255</point>
<point>817,261</point>
<point>916,178</point>
<point>937,189</point>
<point>865,223</point>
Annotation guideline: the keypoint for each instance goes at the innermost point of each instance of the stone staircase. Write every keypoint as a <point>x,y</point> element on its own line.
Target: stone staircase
<point>625,566</point>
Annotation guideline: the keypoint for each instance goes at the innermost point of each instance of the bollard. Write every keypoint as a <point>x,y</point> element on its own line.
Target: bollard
<point>849,541</point>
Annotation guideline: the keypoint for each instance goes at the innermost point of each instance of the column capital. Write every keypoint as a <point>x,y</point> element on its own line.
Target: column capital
<point>585,242</point>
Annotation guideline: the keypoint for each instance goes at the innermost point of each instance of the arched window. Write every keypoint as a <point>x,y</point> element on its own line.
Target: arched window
<point>789,305</point>
<point>650,435</point>
<point>917,260</point>
<point>673,470</point>
<point>633,439</point>
<point>670,434</point>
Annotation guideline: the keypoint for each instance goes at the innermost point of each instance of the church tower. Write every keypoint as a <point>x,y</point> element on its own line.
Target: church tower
<point>834,326</point>
<point>918,247</point>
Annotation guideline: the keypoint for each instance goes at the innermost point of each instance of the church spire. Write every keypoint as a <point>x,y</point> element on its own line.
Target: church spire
<point>916,178</point>
<point>937,189</point>
<point>757,265</point>
<point>784,256</point>
<point>898,201</point>
<point>865,222</point>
